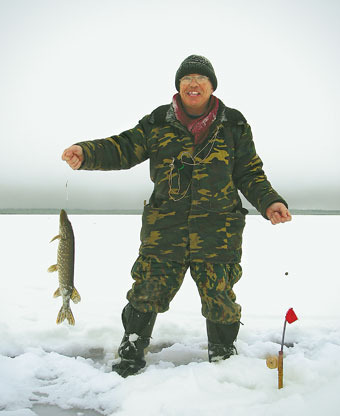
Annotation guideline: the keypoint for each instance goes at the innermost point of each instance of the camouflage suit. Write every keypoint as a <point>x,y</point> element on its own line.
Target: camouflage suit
<point>194,217</point>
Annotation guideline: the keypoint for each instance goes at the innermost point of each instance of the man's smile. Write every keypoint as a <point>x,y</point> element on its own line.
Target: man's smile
<point>195,93</point>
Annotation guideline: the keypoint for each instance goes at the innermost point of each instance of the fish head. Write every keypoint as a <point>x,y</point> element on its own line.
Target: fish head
<point>64,222</point>
<point>63,216</point>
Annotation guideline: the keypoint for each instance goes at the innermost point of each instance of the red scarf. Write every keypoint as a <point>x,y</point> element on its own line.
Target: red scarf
<point>199,127</point>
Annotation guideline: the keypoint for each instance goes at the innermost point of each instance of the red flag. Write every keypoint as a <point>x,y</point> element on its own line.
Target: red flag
<point>290,316</point>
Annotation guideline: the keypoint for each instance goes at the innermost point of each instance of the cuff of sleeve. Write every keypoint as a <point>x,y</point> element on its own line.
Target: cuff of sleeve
<point>84,162</point>
<point>269,203</point>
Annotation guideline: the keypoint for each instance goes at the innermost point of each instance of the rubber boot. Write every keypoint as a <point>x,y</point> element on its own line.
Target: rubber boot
<point>138,328</point>
<point>221,339</point>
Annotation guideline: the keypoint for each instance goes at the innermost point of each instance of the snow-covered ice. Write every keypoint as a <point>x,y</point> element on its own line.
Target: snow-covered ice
<point>45,368</point>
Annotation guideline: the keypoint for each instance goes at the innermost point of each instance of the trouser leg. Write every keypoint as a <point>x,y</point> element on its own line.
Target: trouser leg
<point>138,329</point>
<point>215,285</point>
<point>156,282</point>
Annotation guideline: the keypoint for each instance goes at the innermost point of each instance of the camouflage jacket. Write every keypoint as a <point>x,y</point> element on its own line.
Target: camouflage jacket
<point>195,208</point>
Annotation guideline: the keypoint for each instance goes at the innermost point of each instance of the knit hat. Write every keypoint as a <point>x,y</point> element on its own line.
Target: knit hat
<point>196,64</point>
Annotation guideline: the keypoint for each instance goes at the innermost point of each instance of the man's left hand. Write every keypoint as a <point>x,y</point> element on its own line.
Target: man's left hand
<point>278,213</point>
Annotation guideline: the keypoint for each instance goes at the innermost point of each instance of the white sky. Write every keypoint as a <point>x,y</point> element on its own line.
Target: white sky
<point>75,70</point>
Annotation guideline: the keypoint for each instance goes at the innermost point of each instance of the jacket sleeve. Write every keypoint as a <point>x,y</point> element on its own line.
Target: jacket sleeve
<point>249,176</point>
<point>117,152</point>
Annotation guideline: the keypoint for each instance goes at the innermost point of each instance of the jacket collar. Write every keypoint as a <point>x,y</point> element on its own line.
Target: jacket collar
<point>225,114</point>
<point>220,118</point>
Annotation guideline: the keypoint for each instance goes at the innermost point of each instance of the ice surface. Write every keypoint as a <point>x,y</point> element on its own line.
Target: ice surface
<point>57,369</point>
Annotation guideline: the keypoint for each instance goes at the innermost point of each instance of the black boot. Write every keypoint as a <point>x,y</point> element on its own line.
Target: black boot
<point>138,328</point>
<point>221,339</point>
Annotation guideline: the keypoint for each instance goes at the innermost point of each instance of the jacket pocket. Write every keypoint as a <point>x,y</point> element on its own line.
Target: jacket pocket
<point>216,237</point>
<point>152,225</point>
<point>164,231</point>
<point>234,226</point>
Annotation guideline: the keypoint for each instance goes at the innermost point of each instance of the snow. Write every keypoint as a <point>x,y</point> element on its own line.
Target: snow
<point>49,369</point>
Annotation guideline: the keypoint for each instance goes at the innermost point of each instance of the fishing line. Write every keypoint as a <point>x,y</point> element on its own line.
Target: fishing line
<point>66,190</point>
<point>194,163</point>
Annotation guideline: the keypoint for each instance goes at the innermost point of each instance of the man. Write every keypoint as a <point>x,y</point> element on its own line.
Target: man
<point>201,153</point>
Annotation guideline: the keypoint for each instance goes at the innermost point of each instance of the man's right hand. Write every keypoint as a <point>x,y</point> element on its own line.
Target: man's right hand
<point>73,156</point>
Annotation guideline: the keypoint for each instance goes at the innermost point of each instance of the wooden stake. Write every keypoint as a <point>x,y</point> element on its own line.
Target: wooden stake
<point>280,370</point>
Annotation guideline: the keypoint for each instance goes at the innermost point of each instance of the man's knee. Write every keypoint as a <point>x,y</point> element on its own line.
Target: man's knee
<point>215,283</point>
<point>155,284</point>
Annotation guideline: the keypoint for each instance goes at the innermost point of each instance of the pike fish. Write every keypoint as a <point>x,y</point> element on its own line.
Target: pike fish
<point>65,268</point>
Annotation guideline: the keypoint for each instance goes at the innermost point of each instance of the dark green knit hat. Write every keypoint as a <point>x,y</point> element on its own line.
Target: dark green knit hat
<point>196,64</point>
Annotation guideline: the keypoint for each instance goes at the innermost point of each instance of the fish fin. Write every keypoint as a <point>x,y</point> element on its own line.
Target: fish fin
<point>65,313</point>
<point>53,268</point>
<point>57,293</point>
<point>75,296</point>
<point>55,238</point>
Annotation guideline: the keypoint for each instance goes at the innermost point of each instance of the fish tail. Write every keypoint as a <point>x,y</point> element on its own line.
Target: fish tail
<point>65,313</point>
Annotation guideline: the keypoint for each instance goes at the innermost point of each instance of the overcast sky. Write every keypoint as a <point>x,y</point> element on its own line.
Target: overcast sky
<point>75,70</point>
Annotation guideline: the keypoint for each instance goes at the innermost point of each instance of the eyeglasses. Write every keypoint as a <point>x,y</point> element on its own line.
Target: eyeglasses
<point>198,78</point>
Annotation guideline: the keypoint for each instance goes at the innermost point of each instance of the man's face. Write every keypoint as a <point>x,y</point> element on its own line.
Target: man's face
<point>195,91</point>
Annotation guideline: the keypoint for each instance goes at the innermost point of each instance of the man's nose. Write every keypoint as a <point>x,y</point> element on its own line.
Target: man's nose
<point>194,81</point>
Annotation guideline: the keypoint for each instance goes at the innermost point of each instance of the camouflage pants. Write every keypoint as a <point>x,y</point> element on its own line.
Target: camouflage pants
<point>156,283</point>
